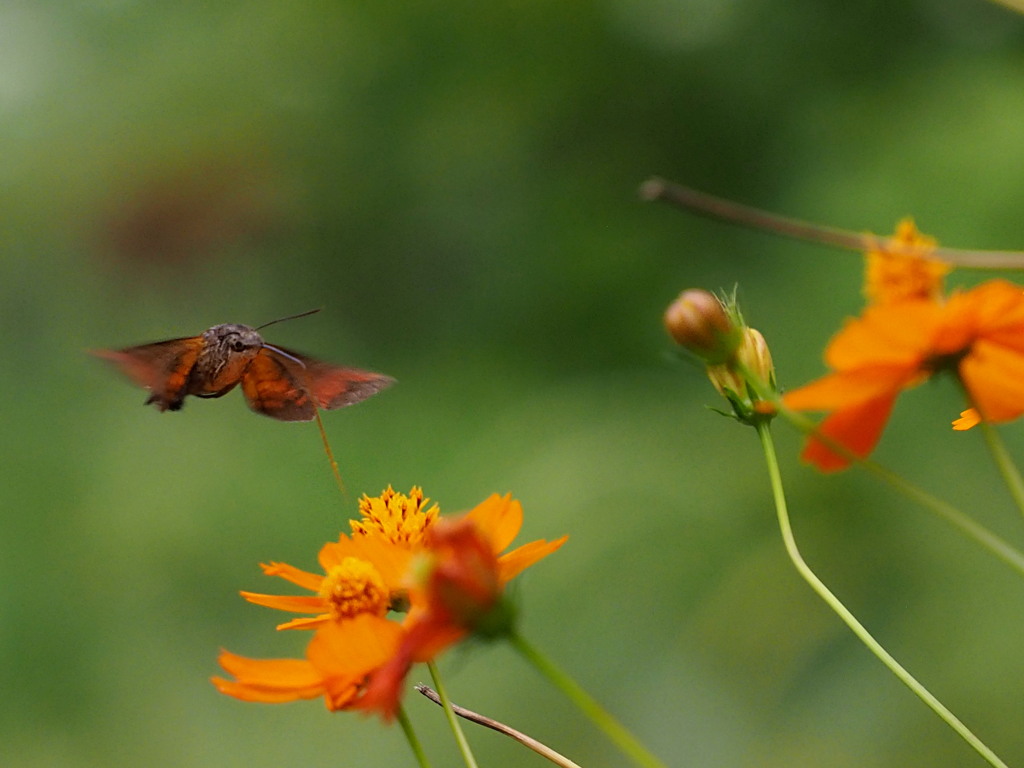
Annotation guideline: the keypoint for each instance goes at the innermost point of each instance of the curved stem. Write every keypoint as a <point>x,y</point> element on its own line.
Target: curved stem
<point>965,524</point>
<point>997,448</point>
<point>848,618</point>
<point>410,736</point>
<point>453,720</point>
<point>1008,470</point>
<point>628,743</point>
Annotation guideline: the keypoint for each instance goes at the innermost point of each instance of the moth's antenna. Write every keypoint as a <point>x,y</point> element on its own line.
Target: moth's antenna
<point>290,317</point>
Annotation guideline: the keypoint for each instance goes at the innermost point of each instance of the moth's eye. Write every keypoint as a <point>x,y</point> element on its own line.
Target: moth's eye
<point>237,345</point>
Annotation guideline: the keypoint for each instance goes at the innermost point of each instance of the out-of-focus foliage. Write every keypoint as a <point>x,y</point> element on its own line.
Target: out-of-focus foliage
<point>454,183</point>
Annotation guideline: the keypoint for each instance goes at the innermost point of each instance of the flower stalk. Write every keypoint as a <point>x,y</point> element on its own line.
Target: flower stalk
<point>412,738</point>
<point>619,735</point>
<point>847,616</point>
<point>1004,463</point>
<point>965,524</point>
<point>453,720</point>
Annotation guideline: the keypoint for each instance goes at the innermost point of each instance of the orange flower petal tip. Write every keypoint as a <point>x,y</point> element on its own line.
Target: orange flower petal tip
<point>968,420</point>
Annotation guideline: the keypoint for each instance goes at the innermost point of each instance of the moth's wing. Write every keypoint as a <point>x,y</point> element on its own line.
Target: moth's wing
<point>330,386</point>
<point>162,367</point>
<point>271,388</point>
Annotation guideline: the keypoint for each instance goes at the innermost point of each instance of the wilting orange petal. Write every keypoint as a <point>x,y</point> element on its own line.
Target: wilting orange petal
<point>521,558</point>
<point>293,603</point>
<point>424,640</point>
<point>384,689</point>
<point>498,518</point>
<point>857,428</point>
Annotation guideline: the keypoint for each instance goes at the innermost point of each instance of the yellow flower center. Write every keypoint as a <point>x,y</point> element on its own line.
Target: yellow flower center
<point>905,272</point>
<point>399,518</point>
<point>355,587</point>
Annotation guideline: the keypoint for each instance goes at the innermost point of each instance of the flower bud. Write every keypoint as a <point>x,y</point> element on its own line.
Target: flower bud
<point>747,378</point>
<point>755,356</point>
<point>699,322</point>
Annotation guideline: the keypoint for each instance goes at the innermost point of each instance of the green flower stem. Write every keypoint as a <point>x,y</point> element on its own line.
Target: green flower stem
<point>965,524</point>
<point>848,618</point>
<point>1009,471</point>
<point>410,736</point>
<point>629,745</point>
<point>453,720</point>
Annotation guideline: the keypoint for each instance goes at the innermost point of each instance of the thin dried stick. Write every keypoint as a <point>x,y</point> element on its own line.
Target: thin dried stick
<point>494,725</point>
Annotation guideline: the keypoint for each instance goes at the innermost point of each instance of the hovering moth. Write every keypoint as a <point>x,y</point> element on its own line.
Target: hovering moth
<point>276,382</point>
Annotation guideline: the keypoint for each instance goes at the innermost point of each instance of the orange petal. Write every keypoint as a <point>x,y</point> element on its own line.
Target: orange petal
<point>521,558</point>
<point>968,420</point>
<point>353,646</point>
<point>996,304</point>
<point>304,579</point>
<point>994,377</point>
<point>846,389</point>
<point>889,335</point>
<point>391,560</point>
<point>857,428</point>
<point>309,622</point>
<point>268,680</point>
<point>499,519</point>
<point>427,636</point>
<point>333,552</point>
<point>293,603</point>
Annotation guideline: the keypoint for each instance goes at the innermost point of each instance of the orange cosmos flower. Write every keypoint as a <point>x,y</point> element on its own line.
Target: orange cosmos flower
<point>901,269</point>
<point>460,591</point>
<point>366,575</point>
<point>363,573</point>
<point>977,334</point>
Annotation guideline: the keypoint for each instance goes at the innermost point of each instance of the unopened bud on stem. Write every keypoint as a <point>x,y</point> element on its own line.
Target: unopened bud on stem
<point>700,323</point>
<point>753,361</point>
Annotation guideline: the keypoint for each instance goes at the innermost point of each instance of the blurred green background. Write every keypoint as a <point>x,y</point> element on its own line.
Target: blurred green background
<point>455,184</point>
